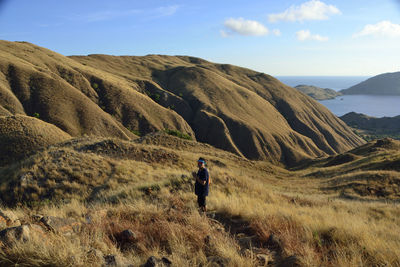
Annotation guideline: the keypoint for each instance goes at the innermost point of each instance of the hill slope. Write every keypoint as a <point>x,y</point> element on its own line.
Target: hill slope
<point>369,171</point>
<point>248,113</point>
<point>374,127</point>
<point>317,93</point>
<point>383,84</point>
<point>20,135</point>
<point>260,213</point>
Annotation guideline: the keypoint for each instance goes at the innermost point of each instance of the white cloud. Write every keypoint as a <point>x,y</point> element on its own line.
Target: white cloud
<point>276,32</point>
<point>245,27</point>
<point>311,10</point>
<point>381,29</point>
<point>305,35</point>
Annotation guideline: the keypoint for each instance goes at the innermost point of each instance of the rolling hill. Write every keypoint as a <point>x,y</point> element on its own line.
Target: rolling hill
<point>373,127</point>
<point>79,187</point>
<point>130,201</point>
<point>239,110</point>
<point>383,84</point>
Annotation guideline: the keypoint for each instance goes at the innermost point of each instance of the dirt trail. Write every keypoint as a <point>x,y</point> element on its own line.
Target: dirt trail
<point>264,253</point>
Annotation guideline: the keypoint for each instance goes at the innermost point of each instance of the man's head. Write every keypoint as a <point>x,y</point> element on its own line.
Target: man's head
<point>201,163</point>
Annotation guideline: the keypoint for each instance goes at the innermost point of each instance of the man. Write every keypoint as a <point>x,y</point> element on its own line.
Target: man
<point>202,183</point>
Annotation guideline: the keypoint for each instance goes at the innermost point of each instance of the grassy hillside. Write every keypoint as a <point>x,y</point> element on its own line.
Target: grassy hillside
<point>368,172</point>
<point>97,154</point>
<point>242,111</point>
<point>336,211</point>
<point>317,93</point>
<point>373,128</point>
<point>383,84</point>
<point>21,135</point>
<point>229,104</point>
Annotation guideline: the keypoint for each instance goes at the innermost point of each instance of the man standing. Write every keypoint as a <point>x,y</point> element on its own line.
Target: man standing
<point>202,184</point>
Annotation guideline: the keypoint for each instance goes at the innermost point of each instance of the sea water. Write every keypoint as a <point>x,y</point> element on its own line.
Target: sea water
<point>336,83</point>
<point>371,105</point>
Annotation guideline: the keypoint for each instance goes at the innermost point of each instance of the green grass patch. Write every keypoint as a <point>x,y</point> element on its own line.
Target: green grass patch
<point>135,132</point>
<point>178,134</point>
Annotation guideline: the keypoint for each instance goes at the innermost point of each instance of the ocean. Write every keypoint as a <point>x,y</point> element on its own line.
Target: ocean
<point>336,83</point>
<point>371,105</point>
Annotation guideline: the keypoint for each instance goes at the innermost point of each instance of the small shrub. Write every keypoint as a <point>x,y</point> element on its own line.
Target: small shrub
<point>136,132</point>
<point>155,97</point>
<point>178,134</point>
<point>95,86</point>
<point>36,115</point>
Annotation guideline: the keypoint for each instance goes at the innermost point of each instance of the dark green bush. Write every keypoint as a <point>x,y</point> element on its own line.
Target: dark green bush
<point>178,134</point>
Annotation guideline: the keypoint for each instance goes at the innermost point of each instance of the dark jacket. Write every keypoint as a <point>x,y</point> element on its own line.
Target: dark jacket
<point>199,189</point>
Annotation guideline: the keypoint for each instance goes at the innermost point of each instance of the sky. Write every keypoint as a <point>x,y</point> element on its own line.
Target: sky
<point>280,38</point>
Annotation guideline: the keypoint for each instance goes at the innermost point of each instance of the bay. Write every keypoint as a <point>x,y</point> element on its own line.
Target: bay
<point>371,105</point>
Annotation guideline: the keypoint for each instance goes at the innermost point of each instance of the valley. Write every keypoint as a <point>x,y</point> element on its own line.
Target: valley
<point>98,153</point>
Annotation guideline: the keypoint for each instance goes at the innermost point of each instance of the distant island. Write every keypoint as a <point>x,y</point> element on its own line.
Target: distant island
<point>373,128</point>
<point>317,92</point>
<point>383,84</point>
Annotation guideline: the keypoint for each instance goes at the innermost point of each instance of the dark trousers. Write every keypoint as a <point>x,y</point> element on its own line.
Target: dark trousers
<point>201,200</point>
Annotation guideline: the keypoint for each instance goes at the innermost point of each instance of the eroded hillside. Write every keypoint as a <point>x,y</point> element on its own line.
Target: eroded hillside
<point>242,111</point>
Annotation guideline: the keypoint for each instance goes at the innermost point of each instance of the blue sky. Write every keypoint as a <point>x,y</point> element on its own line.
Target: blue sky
<point>276,37</point>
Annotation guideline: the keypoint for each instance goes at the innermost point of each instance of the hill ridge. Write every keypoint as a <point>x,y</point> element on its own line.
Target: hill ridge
<point>382,84</point>
<point>233,108</point>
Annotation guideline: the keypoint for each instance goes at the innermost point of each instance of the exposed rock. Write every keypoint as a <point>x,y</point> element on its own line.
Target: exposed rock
<point>3,222</point>
<point>37,217</point>
<point>61,225</point>
<point>8,215</point>
<point>96,255</point>
<point>217,261</point>
<point>151,262</point>
<point>291,261</point>
<point>274,243</point>
<point>217,225</point>
<point>247,241</point>
<point>166,261</point>
<point>126,239</point>
<point>264,259</point>
<point>113,260</point>
<point>155,262</point>
<point>128,235</point>
<point>23,233</point>
<point>8,219</point>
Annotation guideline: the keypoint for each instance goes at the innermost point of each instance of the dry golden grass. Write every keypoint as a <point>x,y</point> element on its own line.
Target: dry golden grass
<point>151,194</point>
